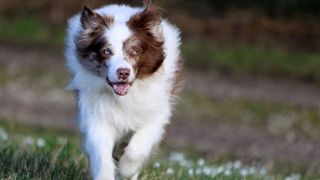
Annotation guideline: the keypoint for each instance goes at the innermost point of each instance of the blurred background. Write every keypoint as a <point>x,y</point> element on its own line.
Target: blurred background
<point>252,69</point>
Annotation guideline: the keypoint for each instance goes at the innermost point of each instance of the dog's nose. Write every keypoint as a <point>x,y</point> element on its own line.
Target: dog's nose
<point>123,73</point>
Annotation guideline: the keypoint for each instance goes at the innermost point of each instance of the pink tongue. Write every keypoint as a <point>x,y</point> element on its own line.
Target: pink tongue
<point>121,89</point>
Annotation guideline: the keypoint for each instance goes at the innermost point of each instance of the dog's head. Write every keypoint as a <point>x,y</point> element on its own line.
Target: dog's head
<point>118,50</point>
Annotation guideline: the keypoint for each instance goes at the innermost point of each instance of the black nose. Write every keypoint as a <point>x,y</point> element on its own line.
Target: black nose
<point>123,73</point>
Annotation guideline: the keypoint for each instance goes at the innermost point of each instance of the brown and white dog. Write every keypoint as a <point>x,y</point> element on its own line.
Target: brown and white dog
<point>126,68</point>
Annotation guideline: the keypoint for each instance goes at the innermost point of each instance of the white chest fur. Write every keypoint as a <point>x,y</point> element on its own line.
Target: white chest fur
<point>147,101</point>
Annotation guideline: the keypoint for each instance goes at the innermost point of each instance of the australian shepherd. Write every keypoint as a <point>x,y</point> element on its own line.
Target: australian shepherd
<point>126,72</point>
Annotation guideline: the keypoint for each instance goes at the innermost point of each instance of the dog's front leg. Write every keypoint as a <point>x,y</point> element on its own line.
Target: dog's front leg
<point>99,144</point>
<point>139,149</point>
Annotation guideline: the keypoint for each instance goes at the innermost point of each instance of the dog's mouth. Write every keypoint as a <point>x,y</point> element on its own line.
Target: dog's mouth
<point>120,88</point>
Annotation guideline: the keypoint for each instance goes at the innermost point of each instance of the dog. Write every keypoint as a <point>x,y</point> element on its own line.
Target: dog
<point>126,69</point>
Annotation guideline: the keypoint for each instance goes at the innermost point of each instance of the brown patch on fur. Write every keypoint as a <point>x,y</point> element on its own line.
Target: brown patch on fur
<point>131,46</point>
<point>91,20</point>
<point>144,25</point>
<point>89,45</point>
<point>90,42</point>
<point>178,79</point>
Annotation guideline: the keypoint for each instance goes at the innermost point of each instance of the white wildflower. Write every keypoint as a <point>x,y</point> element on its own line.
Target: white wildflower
<point>186,163</point>
<point>207,170</point>
<point>170,171</point>
<point>190,172</point>
<point>227,172</point>
<point>293,177</point>
<point>220,169</point>
<point>28,140</point>
<point>3,134</point>
<point>176,157</point>
<point>201,162</point>
<point>236,164</point>
<point>41,142</point>
<point>156,165</point>
<point>62,140</point>
<point>244,172</point>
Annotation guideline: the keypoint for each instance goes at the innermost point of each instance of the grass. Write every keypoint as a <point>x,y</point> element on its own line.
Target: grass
<point>253,59</point>
<point>30,30</point>
<point>27,153</point>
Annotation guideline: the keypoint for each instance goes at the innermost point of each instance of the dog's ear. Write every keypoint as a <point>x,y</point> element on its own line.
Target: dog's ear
<point>90,19</point>
<point>148,19</point>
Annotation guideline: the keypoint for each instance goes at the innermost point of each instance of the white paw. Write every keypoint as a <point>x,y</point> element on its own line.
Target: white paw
<point>136,153</point>
<point>133,159</point>
<point>104,177</point>
<point>129,167</point>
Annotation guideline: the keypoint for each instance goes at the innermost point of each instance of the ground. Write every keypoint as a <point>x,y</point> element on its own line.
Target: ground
<point>271,124</point>
<point>37,153</point>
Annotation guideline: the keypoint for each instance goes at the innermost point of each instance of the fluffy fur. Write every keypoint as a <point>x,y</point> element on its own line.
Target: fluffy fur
<point>122,121</point>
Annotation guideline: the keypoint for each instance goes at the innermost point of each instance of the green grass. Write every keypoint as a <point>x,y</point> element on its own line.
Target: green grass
<point>39,154</point>
<point>253,59</point>
<point>30,30</point>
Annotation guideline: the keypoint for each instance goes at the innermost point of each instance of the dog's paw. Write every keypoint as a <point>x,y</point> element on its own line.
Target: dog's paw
<point>136,153</point>
<point>129,167</point>
<point>132,161</point>
<point>104,177</point>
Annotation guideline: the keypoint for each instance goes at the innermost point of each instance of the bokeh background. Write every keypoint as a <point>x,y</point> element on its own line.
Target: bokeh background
<point>253,79</point>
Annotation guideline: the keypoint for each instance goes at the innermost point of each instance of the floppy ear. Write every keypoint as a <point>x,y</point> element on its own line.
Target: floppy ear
<point>148,19</point>
<point>90,19</point>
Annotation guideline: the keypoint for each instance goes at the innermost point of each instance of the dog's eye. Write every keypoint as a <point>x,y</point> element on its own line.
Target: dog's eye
<point>133,53</point>
<point>106,52</point>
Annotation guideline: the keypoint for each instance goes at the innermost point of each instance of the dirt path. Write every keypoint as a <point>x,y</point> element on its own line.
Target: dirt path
<point>41,103</point>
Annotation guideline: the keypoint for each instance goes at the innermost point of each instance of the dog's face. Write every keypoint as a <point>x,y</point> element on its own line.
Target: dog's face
<point>121,51</point>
